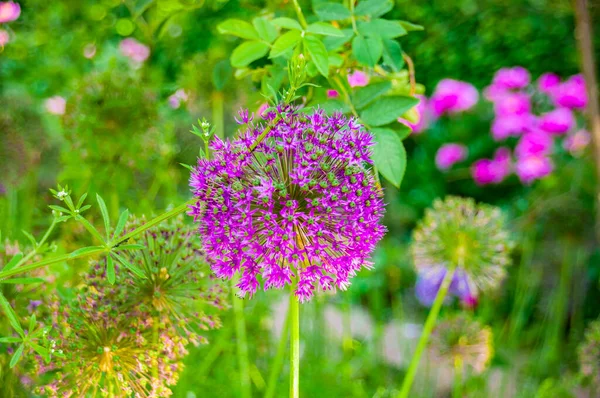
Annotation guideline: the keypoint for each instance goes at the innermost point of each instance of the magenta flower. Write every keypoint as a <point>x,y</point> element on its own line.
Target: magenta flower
<point>332,94</point>
<point>449,154</point>
<point>4,37</point>
<point>511,125</point>
<point>548,82</point>
<point>512,104</point>
<point>453,96</point>
<point>303,205</point>
<point>571,93</point>
<point>577,142</point>
<point>133,49</point>
<point>534,143</point>
<point>558,121</point>
<point>534,167</point>
<point>9,11</point>
<point>358,79</point>
<point>492,171</point>
<point>421,111</point>
<point>511,78</point>
<point>56,105</point>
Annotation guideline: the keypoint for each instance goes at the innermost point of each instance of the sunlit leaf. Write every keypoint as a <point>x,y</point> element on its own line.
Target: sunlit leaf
<point>387,109</point>
<point>389,155</point>
<point>248,52</point>
<point>318,54</point>
<point>239,28</point>
<point>284,43</point>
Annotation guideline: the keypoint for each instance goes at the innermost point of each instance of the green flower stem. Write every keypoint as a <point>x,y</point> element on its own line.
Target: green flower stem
<point>155,331</point>
<point>217,113</point>
<point>299,14</point>
<point>458,380</point>
<point>242,343</point>
<point>265,132</point>
<point>294,315</point>
<point>39,244</point>
<point>279,358</point>
<point>429,324</point>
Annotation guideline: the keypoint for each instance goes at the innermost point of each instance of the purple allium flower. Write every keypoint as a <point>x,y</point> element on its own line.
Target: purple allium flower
<point>533,167</point>
<point>4,37</point>
<point>133,49</point>
<point>56,105</point>
<point>511,78</point>
<point>301,206</point>
<point>557,121</point>
<point>548,82</point>
<point>577,142</point>
<point>449,154</point>
<point>9,11</point>
<point>453,96</point>
<point>536,143</point>
<point>512,104</point>
<point>421,114</point>
<point>492,171</point>
<point>358,79</point>
<point>430,281</point>
<point>511,125</point>
<point>571,93</point>
<point>332,93</point>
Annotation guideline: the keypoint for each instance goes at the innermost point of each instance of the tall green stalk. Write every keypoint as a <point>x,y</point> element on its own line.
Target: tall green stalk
<point>279,358</point>
<point>242,342</point>
<point>294,315</point>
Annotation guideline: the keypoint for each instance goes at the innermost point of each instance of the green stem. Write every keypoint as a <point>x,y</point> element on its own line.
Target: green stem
<point>155,331</point>
<point>457,388</point>
<point>300,14</point>
<point>294,315</point>
<point>242,343</point>
<point>427,329</point>
<point>265,132</point>
<point>38,245</point>
<point>279,358</point>
<point>217,114</point>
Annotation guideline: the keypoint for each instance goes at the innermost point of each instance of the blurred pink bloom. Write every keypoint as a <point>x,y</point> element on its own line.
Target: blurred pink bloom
<point>492,171</point>
<point>577,142</point>
<point>571,93</point>
<point>449,154</point>
<point>548,82</point>
<point>332,94</point>
<point>262,109</point>
<point>421,110</point>
<point>558,121</point>
<point>512,104</point>
<point>453,96</point>
<point>134,50</point>
<point>511,78</point>
<point>534,167</point>
<point>89,51</point>
<point>56,105</point>
<point>4,37</point>
<point>177,98</point>
<point>358,79</point>
<point>493,92</point>
<point>511,125</point>
<point>9,11</point>
<point>534,143</point>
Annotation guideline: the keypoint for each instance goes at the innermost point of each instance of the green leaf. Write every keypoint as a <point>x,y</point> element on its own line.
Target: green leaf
<point>110,270</point>
<point>266,30</point>
<point>373,8</point>
<point>333,42</point>
<point>239,28</point>
<point>381,27</point>
<point>60,209</point>
<point>368,50</point>
<point>334,105</point>
<point>387,109</point>
<point>10,339</point>
<point>402,131</point>
<point>43,351</point>
<point>248,52</point>
<point>284,43</point>
<point>133,268</point>
<point>131,246</point>
<point>221,74</point>
<point>24,281</point>
<point>365,95</point>
<point>121,223</point>
<point>10,314</point>
<point>30,237</point>
<point>331,11</point>
<point>389,155</point>
<point>15,358</point>
<point>13,261</point>
<point>392,54</point>
<point>104,212</point>
<point>85,250</point>
<point>31,324</point>
<point>81,200</point>
<point>287,23</point>
<point>322,28</point>
<point>410,27</point>
<point>318,54</point>
<point>336,60</point>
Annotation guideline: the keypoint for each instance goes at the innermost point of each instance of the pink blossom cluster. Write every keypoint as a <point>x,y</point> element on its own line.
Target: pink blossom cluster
<point>134,50</point>
<point>9,11</point>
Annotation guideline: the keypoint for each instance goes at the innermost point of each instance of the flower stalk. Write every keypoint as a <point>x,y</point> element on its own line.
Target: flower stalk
<point>294,316</point>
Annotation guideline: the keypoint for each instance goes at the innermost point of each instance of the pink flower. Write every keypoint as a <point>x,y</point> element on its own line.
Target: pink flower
<point>534,143</point>
<point>177,98</point>
<point>133,49</point>
<point>89,51</point>
<point>512,104</point>
<point>358,79</point>
<point>449,154</point>
<point>263,109</point>
<point>511,78</point>
<point>4,37</point>
<point>453,96</point>
<point>511,125</point>
<point>421,111</point>
<point>577,142</point>
<point>548,82</point>
<point>56,105</point>
<point>492,171</point>
<point>558,121</point>
<point>332,94</point>
<point>9,11</point>
<point>534,167</point>
<point>571,93</point>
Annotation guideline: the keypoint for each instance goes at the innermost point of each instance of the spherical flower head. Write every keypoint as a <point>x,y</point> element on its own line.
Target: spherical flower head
<point>492,171</point>
<point>422,118</point>
<point>512,104</point>
<point>4,38</point>
<point>133,49</point>
<point>511,78</point>
<point>458,235</point>
<point>9,11</point>
<point>56,105</point>
<point>548,82</point>
<point>453,96</point>
<point>557,121</point>
<point>589,355</point>
<point>577,142</point>
<point>536,143</point>
<point>462,338</point>
<point>358,79</point>
<point>533,167</point>
<point>450,154</point>
<point>291,203</point>
<point>571,93</point>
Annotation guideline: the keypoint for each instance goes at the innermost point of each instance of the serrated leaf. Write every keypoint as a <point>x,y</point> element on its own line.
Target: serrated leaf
<point>322,28</point>
<point>110,270</point>
<point>329,11</point>
<point>382,28</point>
<point>10,339</point>
<point>266,30</point>
<point>17,355</point>
<point>373,8</point>
<point>248,52</point>
<point>85,250</point>
<point>365,95</point>
<point>410,27</point>
<point>367,50</point>
<point>121,223</point>
<point>387,109</point>
<point>392,54</point>
<point>287,23</point>
<point>221,74</point>
<point>285,43</point>
<point>24,281</point>
<point>389,155</point>
<point>318,54</point>
<point>334,43</point>
<point>13,261</point>
<point>239,28</point>
<point>10,314</point>
<point>133,268</point>
<point>104,212</point>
